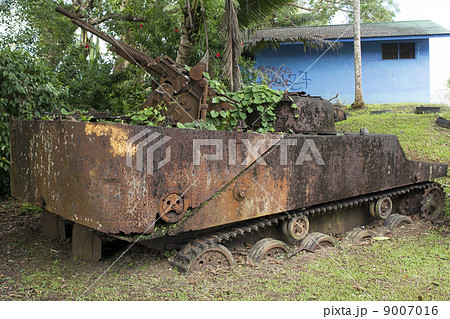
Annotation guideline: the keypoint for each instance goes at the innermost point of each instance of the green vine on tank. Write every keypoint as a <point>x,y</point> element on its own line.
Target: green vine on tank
<point>257,100</point>
<point>151,116</point>
<point>254,104</point>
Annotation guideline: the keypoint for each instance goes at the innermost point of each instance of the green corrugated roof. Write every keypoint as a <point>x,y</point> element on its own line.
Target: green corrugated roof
<point>345,31</point>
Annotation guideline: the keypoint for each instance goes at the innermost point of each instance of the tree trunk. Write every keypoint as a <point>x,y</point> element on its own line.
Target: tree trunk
<point>185,48</point>
<point>233,47</point>
<point>189,27</point>
<point>359,102</point>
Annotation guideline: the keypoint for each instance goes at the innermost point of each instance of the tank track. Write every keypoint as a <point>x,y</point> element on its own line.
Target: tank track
<point>189,252</point>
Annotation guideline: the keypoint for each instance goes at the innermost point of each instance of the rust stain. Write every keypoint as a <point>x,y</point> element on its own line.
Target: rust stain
<point>117,135</point>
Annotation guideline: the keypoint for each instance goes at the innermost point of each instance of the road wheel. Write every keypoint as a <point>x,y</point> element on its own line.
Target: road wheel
<point>358,235</point>
<point>267,248</point>
<point>212,256</point>
<point>382,208</point>
<point>396,220</point>
<point>296,228</point>
<point>316,241</point>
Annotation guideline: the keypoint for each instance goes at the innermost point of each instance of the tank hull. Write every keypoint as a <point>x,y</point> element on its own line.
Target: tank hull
<point>119,179</point>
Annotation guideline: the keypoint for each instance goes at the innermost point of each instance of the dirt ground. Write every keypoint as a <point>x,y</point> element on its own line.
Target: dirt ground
<point>412,265</point>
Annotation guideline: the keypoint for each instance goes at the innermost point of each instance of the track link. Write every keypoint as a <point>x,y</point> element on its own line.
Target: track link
<point>190,251</point>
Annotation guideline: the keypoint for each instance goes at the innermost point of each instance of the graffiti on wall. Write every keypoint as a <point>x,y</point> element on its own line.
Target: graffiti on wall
<point>283,78</point>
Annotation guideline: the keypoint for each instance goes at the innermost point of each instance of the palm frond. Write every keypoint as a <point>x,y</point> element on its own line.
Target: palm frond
<point>257,40</point>
<point>253,11</point>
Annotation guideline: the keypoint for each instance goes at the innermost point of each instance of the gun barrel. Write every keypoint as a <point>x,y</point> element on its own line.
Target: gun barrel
<point>124,50</point>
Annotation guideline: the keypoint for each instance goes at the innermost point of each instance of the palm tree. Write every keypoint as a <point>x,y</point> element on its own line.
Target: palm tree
<point>250,12</point>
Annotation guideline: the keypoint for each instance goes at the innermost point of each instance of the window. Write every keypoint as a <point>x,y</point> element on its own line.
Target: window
<point>389,51</point>
<point>407,51</point>
<point>394,51</point>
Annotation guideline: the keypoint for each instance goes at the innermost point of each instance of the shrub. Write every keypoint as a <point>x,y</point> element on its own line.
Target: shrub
<point>28,86</point>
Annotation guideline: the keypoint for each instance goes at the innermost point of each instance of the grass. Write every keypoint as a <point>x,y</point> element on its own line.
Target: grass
<point>418,134</point>
<point>412,265</point>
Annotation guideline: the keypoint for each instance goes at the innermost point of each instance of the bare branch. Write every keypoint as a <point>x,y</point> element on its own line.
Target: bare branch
<point>303,8</point>
<point>115,16</point>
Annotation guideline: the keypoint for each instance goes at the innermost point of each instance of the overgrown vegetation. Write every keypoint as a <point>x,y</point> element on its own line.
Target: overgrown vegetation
<point>257,100</point>
<point>28,87</point>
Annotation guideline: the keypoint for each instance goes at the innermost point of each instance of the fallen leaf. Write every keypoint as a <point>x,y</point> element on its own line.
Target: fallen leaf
<point>381,238</point>
<point>357,287</point>
<point>165,289</point>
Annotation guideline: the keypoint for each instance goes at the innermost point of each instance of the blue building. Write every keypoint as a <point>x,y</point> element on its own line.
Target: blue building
<point>395,60</point>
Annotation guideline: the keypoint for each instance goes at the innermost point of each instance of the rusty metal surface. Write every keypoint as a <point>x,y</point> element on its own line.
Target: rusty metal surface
<point>313,114</point>
<point>353,165</point>
<point>79,171</point>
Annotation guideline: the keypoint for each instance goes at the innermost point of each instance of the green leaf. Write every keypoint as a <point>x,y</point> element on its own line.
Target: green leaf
<point>223,113</point>
<point>65,112</point>
<point>214,114</point>
<point>258,100</point>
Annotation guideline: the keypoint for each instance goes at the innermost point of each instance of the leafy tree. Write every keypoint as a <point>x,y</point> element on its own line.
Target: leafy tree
<point>371,10</point>
<point>28,86</point>
<point>91,79</point>
<point>34,26</point>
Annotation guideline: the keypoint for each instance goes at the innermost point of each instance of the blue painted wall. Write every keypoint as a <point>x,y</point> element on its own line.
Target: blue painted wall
<point>328,73</point>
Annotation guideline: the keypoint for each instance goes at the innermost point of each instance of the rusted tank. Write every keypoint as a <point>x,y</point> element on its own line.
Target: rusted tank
<point>202,192</point>
<point>174,185</point>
